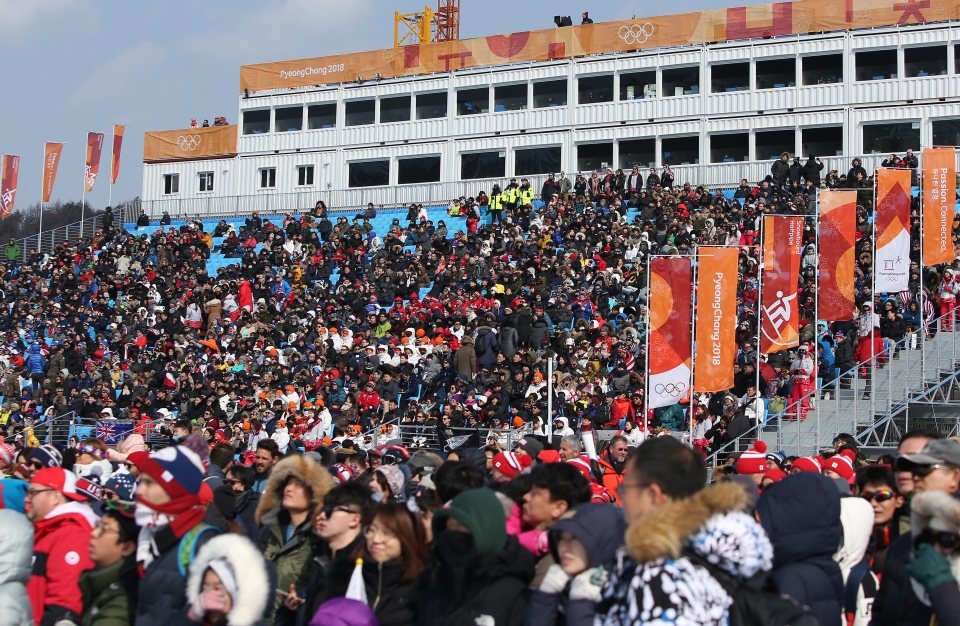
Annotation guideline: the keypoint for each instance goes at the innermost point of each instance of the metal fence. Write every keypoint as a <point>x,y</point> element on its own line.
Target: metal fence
<point>421,437</point>
<point>46,242</point>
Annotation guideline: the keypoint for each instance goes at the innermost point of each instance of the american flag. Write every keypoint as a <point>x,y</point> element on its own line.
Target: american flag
<point>112,432</point>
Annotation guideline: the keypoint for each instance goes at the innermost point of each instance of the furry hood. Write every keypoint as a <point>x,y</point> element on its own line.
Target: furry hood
<point>711,523</point>
<point>308,471</point>
<point>254,591</point>
<point>938,511</point>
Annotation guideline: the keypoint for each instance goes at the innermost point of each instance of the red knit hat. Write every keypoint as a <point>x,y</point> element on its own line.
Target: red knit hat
<point>754,460</point>
<point>583,466</point>
<point>776,475</point>
<point>808,464</point>
<point>842,464</point>
<point>510,464</point>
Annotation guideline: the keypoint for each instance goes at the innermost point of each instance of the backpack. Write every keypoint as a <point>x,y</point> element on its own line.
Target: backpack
<point>777,405</point>
<point>757,601</point>
<point>480,345</point>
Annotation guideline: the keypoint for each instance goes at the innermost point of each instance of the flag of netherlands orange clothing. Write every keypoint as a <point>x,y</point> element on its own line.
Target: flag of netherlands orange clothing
<point>939,208</point>
<point>892,260</point>
<point>671,284</point>
<point>716,325</point>
<point>94,148</point>
<point>9,171</point>
<point>117,143</point>
<point>779,319</point>
<point>838,257</point>
<point>51,161</point>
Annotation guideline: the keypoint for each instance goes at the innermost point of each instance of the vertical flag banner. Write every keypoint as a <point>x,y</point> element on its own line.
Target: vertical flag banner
<point>51,161</point>
<point>8,183</point>
<point>891,261</point>
<point>779,319</point>
<point>939,197</point>
<point>716,323</point>
<point>94,147</point>
<point>671,286</point>
<point>838,238</point>
<point>117,142</point>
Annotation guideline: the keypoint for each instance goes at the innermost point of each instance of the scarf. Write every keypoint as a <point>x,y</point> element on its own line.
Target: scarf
<point>180,515</point>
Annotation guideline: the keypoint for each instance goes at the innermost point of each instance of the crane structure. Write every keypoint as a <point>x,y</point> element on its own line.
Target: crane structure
<point>427,26</point>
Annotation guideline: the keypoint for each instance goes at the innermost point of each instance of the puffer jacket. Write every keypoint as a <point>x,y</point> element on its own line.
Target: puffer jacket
<point>16,552</point>
<point>110,594</point>
<point>35,359</point>
<point>489,357</point>
<point>509,341</point>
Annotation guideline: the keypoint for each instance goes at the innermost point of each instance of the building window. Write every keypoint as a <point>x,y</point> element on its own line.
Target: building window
<point>926,61</point>
<point>473,101</point>
<point>729,148</point>
<point>305,176</point>
<point>431,105</point>
<point>171,183</point>
<point>268,178</point>
<point>288,119</point>
<point>594,89</point>
<point>360,112</point>
<point>550,93</point>
<point>206,181</point>
<point>395,109</point>
<point>369,173</point>
<point>776,73</point>
<point>946,132</point>
<point>533,161</point>
<point>256,122</point>
<point>876,65</point>
<point>510,97</point>
<point>322,116</point>
<point>887,138</point>
<point>770,144</point>
<point>418,170</point>
<point>475,165</point>
<point>822,141</point>
<point>637,85</point>
<point>593,156</point>
<point>639,152</point>
<point>681,81</point>
<point>729,77</point>
<point>680,150</point>
<point>822,69</point>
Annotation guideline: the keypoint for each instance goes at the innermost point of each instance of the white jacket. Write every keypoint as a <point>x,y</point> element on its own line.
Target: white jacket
<point>244,561</point>
<point>856,522</point>
<point>16,554</point>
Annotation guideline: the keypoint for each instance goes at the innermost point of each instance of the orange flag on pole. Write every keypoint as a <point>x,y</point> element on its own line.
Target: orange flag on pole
<point>838,237</point>
<point>779,318</point>
<point>115,162</point>
<point>671,284</point>
<point>94,147</point>
<point>716,337</point>
<point>51,160</point>
<point>8,183</point>
<point>939,197</point>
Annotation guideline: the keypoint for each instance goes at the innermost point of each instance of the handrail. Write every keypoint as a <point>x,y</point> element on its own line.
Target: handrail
<point>904,404</point>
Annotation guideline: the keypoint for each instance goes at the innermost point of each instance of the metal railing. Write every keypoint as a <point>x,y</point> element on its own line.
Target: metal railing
<point>85,229</point>
<point>421,437</point>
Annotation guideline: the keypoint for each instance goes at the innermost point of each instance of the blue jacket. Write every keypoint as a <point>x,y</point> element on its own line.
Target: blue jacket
<point>801,515</point>
<point>35,359</point>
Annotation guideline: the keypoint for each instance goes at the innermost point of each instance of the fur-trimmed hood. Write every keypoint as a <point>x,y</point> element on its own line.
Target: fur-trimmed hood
<point>938,511</point>
<point>254,591</point>
<point>308,471</point>
<point>713,524</point>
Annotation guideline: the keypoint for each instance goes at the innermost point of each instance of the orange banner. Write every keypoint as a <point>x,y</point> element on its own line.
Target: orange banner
<point>891,261</point>
<point>9,172</point>
<point>671,284</point>
<point>716,318</point>
<point>765,20</point>
<point>779,319</point>
<point>939,204</point>
<point>94,147</point>
<point>191,143</point>
<point>838,238</point>
<point>51,161</point>
<point>115,161</point>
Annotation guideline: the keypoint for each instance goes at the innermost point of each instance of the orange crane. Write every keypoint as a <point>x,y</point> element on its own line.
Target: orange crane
<point>427,26</point>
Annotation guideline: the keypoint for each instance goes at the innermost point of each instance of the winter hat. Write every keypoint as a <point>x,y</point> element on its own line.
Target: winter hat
<point>599,528</point>
<point>7,454</point>
<point>344,612</point>
<point>59,479</point>
<point>808,464</point>
<point>481,512</point>
<point>531,446</point>
<point>549,456</point>
<point>754,460</point>
<point>123,484</point>
<point>133,443</point>
<point>583,466</point>
<point>510,464</point>
<point>842,464</point>
<point>341,473</point>
<point>90,490</point>
<point>178,470</point>
<point>200,446</point>
<point>395,478</point>
<point>776,475</point>
<point>47,455</point>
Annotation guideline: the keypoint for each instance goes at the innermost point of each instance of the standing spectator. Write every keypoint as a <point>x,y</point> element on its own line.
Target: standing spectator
<point>13,251</point>
<point>549,189</point>
<point>613,463</point>
<point>565,186</point>
<point>780,170</point>
<point>110,589</point>
<point>812,169</point>
<point>465,359</point>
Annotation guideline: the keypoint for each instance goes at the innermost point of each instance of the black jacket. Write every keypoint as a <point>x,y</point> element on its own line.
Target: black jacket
<point>330,577</point>
<point>394,601</point>
<point>843,355</point>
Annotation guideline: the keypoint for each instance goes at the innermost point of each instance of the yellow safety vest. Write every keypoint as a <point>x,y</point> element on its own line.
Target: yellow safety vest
<point>527,195</point>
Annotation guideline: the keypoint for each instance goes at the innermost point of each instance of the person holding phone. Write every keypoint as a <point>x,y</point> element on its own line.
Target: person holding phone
<point>229,584</point>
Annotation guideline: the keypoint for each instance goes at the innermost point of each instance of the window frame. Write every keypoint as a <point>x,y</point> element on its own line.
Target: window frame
<point>171,184</point>
<point>205,179</point>
<point>306,172</point>
<point>267,175</point>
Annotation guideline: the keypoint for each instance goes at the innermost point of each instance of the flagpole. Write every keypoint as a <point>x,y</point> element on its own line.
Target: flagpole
<point>816,317</point>
<point>757,305</point>
<point>42,178</point>
<point>646,366</point>
<point>693,337</point>
<point>873,298</point>
<point>922,332</point>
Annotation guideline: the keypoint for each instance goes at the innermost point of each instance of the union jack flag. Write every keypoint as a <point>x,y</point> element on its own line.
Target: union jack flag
<point>113,432</point>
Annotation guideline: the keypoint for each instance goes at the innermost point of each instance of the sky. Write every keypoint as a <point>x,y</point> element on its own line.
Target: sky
<point>74,66</point>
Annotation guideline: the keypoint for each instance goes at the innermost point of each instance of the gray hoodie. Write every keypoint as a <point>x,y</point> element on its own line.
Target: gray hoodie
<point>16,552</point>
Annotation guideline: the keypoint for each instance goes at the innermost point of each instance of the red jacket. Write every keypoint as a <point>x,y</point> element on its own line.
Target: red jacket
<point>60,554</point>
<point>864,352</point>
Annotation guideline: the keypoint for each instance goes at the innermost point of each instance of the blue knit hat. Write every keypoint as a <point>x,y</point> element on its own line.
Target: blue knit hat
<point>48,455</point>
<point>123,484</point>
<point>179,470</point>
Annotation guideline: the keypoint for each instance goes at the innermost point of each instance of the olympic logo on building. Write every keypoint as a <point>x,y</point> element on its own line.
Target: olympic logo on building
<point>636,34</point>
<point>669,390</point>
<point>189,142</point>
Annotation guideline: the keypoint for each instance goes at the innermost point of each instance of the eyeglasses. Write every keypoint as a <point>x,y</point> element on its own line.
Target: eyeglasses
<point>32,493</point>
<point>372,531</point>
<point>881,495</point>
<point>110,495</point>
<point>101,528</point>
<point>622,489</point>
<point>942,538</point>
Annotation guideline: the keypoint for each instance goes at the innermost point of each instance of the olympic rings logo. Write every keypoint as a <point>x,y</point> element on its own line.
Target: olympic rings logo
<point>636,34</point>
<point>188,142</point>
<point>669,390</point>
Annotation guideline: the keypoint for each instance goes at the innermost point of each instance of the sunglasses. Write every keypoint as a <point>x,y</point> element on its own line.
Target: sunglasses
<point>942,538</point>
<point>881,495</point>
<point>925,470</point>
<point>328,509</point>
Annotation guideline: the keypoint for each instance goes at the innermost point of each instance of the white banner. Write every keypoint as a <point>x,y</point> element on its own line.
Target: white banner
<point>893,264</point>
<point>669,387</point>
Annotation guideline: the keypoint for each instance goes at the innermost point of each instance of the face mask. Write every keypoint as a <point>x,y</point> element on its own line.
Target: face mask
<point>177,438</point>
<point>377,496</point>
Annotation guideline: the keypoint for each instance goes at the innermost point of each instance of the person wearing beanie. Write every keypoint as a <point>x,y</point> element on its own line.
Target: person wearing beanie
<point>46,456</point>
<point>772,476</point>
<point>172,502</point>
<point>506,466</point>
<point>110,589</point>
<point>807,464</point>
<point>62,527</point>
<point>120,486</point>
<point>529,446</point>
<point>8,458</point>
<point>476,569</point>
<point>840,466</point>
<point>753,462</point>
